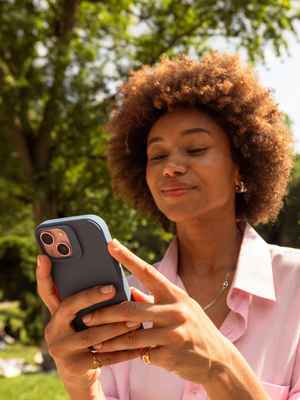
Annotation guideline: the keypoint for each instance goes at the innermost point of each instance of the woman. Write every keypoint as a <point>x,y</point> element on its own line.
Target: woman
<point>202,148</point>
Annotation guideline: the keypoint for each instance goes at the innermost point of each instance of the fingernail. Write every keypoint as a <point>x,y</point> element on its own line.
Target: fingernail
<point>132,324</point>
<point>106,289</point>
<point>39,261</point>
<point>115,244</point>
<point>86,318</point>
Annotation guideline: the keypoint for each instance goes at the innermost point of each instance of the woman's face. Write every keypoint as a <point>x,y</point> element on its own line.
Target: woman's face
<point>188,148</point>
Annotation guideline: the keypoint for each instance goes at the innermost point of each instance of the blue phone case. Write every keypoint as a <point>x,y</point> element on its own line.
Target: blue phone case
<point>90,264</point>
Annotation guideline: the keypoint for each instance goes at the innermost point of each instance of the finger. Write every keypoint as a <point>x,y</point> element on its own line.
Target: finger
<point>81,341</point>
<point>70,306</point>
<point>117,356</point>
<point>151,337</point>
<point>81,363</point>
<point>159,356</point>
<point>45,284</point>
<point>134,312</point>
<point>77,365</point>
<point>138,295</point>
<point>156,282</point>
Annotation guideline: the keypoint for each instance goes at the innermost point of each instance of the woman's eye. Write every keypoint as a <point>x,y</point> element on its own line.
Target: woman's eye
<point>197,150</point>
<point>192,151</point>
<point>157,157</point>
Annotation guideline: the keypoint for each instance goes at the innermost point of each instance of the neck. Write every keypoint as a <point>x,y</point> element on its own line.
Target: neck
<point>208,250</point>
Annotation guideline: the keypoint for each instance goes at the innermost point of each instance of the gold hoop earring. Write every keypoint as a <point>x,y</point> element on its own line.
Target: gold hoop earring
<point>241,188</point>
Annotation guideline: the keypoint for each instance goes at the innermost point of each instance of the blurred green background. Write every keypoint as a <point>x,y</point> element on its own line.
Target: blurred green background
<point>61,63</point>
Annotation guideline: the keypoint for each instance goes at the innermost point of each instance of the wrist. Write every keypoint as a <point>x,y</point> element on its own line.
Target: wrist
<point>88,390</point>
<point>81,384</point>
<point>221,362</point>
<point>90,393</point>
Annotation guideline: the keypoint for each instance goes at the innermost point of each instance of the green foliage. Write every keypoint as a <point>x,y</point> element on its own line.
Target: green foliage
<point>20,351</point>
<point>17,282</point>
<point>286,230</point>
<point>33,387</point>
<point>192,24</point>
<point>60,65</point>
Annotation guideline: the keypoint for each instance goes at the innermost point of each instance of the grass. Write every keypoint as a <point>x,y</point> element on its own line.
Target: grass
<point>32,387</point>
<point>38,386</point>
<point>18,350</point>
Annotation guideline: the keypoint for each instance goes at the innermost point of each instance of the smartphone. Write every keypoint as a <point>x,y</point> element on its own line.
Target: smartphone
<point>77,247</point>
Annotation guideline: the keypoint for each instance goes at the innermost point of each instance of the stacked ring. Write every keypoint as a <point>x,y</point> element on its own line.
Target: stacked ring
<point>146,355</point>
<point>96,363</point>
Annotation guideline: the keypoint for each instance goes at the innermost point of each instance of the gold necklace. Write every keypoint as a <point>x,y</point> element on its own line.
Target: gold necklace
<point>224,285</point>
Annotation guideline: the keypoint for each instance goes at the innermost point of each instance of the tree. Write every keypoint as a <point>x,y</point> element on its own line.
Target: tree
<point>60,64</point>
<point>286,230</point>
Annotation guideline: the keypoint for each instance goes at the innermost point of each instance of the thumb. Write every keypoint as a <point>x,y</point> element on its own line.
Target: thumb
<point>138,295</point>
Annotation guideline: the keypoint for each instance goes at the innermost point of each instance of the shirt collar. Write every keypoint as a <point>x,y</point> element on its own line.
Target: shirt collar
<point>253,274</point>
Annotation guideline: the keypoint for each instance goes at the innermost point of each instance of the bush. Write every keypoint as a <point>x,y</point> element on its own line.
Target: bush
<point>17,283</point>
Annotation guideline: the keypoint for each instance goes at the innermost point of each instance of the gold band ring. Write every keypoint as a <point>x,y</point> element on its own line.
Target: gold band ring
<point>96,363</point>
<point>146,355</point>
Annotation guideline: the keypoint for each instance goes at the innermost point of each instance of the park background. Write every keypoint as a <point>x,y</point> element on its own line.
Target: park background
<point>61,63</point>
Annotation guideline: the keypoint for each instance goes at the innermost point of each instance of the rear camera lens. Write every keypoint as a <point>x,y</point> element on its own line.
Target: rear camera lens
<point>47,238</point>
<point>63,249</point>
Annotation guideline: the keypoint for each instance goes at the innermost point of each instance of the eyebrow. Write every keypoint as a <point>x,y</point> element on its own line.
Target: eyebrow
<point>184,133</point>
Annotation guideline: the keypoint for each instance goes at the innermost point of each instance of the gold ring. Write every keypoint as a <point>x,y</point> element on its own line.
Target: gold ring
<point>146,355</point>
<point>96,363</point>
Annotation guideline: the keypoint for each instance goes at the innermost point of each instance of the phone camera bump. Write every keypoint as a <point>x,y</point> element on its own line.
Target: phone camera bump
<point>63,249</point>
<point>47,238</point>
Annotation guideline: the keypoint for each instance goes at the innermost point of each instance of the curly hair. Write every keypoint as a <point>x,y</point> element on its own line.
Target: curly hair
<point>260,140</point>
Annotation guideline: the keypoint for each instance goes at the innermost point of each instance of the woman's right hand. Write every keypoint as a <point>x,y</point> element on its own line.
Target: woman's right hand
<point>68,348</point>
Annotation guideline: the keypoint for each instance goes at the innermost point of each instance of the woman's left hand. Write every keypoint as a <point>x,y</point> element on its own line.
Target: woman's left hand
<point>183,338</point>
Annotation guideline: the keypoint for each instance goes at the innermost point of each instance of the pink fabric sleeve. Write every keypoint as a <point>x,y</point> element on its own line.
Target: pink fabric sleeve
<point>108,383</point>
<point>294,393</point>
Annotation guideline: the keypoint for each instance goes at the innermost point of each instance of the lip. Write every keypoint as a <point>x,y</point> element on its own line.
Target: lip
<point>173,188</point>
<point>176,192</point>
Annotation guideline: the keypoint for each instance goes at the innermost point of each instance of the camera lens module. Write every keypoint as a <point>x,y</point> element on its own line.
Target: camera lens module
<point>63,249</point>
<point>47,238</point>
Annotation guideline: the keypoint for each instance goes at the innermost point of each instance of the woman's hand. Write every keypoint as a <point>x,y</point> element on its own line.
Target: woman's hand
<point>70,349</point>
<point>183,339</point>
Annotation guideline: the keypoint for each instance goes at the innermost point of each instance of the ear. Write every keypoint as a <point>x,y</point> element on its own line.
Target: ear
<point>140,296</point>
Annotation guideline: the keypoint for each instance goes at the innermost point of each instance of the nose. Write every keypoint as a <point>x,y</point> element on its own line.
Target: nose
<point>172,168</point>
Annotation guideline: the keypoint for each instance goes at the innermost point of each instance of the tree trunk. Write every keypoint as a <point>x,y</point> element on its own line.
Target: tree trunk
<point>43,209</point>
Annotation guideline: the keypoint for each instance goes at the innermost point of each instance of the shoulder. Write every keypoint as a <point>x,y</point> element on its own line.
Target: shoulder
<point>286,268</point>
<point>285,257</point>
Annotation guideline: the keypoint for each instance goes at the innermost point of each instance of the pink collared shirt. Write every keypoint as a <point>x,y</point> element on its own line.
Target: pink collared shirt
<point>263,324</point>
